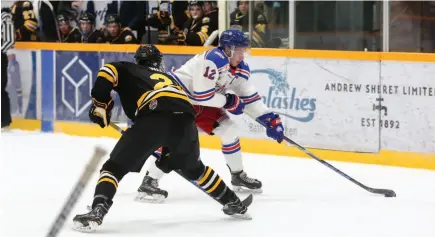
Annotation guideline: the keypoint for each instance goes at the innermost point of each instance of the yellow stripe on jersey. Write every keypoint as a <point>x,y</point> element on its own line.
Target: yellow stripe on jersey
<point>207,173</point>
<point>164,94</point>
<point>202,37</point>
<point>111,70</point>
<point>106,76</point>
<point>142,97</point>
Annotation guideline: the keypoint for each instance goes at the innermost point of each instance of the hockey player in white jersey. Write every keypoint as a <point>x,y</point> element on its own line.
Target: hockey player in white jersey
<point>206,78</point>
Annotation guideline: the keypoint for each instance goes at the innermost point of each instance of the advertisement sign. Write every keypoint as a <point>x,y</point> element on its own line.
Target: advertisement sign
<point>407,106</point>
<point>318,101</point>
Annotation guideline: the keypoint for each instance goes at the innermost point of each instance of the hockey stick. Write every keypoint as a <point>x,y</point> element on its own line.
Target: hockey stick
<point>246,202</point>
<point>385,192</point>
<point>99,153</point>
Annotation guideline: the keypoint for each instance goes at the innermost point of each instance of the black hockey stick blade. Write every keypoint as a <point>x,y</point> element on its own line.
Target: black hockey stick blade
<point>248,201</point>
<point>385,192</point>
<point>99,153</point>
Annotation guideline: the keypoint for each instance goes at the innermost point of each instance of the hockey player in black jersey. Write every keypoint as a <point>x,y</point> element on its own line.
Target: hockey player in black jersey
<point>68,33</point>
<point>25,22</point>
<point>87,28</point>
<point>115,34</point>
<point>163,117</point>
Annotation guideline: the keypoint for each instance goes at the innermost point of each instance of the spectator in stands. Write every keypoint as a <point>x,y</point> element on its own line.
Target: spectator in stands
<point>260,31</point>
<point>132,15</point>
<point>170,26</point>
<point>162,21</point>
<point>25,23</point>
<point>197,29</point>
<point>68,34</point>
<point>211,15</point>
<point>87,28</point>
<point>115,34</point>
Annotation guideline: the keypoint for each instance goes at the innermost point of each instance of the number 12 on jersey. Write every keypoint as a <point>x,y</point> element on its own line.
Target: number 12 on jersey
<point>209,73</point>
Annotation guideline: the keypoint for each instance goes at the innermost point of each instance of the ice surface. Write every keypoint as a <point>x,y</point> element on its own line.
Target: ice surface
<point>301,197</point>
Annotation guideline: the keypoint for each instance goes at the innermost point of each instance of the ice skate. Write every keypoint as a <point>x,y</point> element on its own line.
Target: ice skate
<point>90,221</point>
<point>242,183</point>
<point>238,209</point>
<point>149,191</point>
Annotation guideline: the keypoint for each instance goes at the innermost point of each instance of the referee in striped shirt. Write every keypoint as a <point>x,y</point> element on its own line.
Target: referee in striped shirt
<point>8,42</point>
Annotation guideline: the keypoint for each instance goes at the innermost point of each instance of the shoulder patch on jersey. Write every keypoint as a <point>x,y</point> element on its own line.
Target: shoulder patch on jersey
<point>219,54</point>
<point>260,17</point>
<point>218,58</point>
<point>205,20</point>
<point>128,38</point>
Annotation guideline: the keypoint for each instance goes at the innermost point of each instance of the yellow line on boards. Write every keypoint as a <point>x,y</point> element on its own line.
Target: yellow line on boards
<point>390,158</point>
<point>291,53</point>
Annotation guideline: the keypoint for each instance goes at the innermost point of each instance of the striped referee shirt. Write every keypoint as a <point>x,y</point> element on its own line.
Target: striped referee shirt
<point>8,35</point>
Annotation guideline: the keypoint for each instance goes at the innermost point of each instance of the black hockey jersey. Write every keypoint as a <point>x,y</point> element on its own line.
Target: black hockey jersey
<point>260,33</point>
<point>140,88</point>
<point>198,31</point>
<point>74,36</point>
<point>124,37</point>
<point>94,37</point>
<point>25,22</point>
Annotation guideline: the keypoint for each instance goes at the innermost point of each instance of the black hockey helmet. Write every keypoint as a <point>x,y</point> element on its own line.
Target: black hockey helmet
<point>112,19</point>
<point>212,3</point>
<point>87,17</point>
<point>149,55</point>
<point>62,18</point>
<point>196,3</point>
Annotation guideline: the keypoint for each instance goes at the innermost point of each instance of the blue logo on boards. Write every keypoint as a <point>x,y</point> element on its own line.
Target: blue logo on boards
<point>286,100</point>
<point>75,74</point>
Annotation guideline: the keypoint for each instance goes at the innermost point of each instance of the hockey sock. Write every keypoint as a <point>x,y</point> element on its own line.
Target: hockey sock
<point>233,155</point>
<point>211,183</point>
<point>106,188</point>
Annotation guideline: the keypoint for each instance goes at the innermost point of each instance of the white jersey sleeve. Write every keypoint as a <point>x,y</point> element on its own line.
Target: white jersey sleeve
<point>254,106</point>
<point>208,71</point>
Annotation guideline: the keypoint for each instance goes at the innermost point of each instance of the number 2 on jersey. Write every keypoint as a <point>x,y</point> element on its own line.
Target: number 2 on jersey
<point>159,85</point>
<point>209,73</point>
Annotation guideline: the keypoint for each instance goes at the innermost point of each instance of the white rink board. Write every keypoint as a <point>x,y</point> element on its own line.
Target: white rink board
<point>412,105</point>
<point>340,104</point>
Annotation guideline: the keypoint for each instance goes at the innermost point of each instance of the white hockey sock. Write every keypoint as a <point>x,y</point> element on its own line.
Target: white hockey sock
<point>155,172</point>
<point>233,155</point>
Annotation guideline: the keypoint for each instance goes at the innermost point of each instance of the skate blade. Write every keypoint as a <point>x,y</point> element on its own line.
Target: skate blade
<point>145,198</point>
<point>245,216</point>
<point>92,227</point>
<point>242,189</point>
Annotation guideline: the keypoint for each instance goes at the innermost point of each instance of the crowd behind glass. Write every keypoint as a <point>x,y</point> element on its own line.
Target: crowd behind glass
<point>405,26</point>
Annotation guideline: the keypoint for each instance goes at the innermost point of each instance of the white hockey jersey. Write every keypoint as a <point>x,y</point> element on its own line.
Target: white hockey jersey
<point>206,78</point>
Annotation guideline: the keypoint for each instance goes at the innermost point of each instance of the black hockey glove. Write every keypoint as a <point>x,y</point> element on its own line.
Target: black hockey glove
<point>100,113</point>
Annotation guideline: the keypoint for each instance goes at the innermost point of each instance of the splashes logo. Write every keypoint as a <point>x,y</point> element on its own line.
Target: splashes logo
<point>284,99</point>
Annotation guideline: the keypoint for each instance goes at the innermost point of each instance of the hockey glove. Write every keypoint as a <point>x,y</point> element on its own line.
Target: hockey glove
<point>274,128</point>
<point>100,113</point>
<point>234,104</point>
